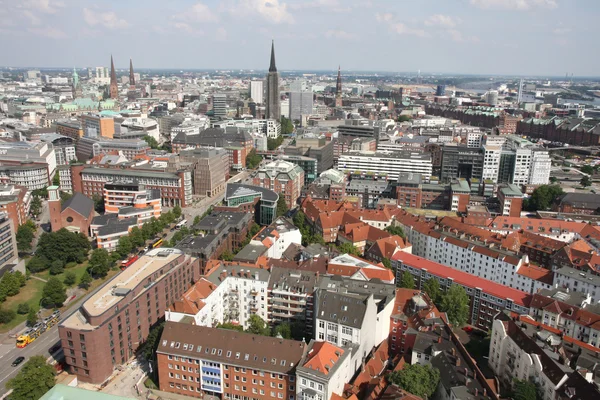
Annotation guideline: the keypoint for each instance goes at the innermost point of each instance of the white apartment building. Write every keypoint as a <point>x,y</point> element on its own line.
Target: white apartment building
<point>277,237</point>
<point>474,139</point>
<point>532,163</point>
<point>541,165</point>
<point>324,370</point>
<point>257,91</point>
<point>575,280</point>
<point>515,355</point>
<point>390,163</point>
<point>491,162</point>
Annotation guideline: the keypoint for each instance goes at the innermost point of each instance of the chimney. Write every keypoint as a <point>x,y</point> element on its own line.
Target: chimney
<point>439,339</point>
<point>458,362</point>
<point>476,392</point>
<point>484,392</point>
<point>453,351</point>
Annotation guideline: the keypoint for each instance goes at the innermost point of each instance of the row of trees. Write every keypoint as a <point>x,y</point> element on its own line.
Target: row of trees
<point>258,326</point>
<point>33,380</point>
<point>454,302</point>
<point>273,144</point>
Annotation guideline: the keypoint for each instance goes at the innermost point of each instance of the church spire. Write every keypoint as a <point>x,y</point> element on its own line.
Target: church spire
<point>338,83</point>
<point>114,89</point>
<point>272,67</point>
<point>131,76</point>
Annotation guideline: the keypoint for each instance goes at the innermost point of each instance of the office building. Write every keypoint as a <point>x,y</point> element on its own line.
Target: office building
<point>64,147</point>
<point>313,146</point>
<point>491,162</point>
<point>96,126</point>
<point>109,326</point>
<point>301,103</point>
<point>491,97</point>
<point>256,200</point>
<point>284,178</point>
<point>28,174</point>
<point>69,128</point>
<point>308,164</point>
<point>210,169</point>
<point>219,105</point>
<point>15,201</point>
<point>129,199</point>
<point>460,161</point>
<point>391,164</point>
<point>273,100</point>
<point>197,361</point>
<point>257,91</point>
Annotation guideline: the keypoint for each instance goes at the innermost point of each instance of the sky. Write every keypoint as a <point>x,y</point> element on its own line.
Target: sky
<point>511,37</point>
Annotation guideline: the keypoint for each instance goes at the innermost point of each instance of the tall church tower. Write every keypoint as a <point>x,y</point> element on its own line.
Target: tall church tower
<point>114,89</point>
<point>131,75</point>
<point>76,89</point>
<point>338,89</point>
<point>273,103</point>
<point>54,207</point>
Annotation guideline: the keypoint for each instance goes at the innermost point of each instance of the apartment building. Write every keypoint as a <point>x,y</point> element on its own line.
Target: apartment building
<point>8,243</point>
<point>175,188</point>
<point>197,361</point>
<point>129,199</point>
<point>290,296</point>
<point>15,201</point>
<point>277,237</point>
<point>313,146</point>
<point>64,147</point>
<point>108,231</point>
<point>391,164</point>
<point>487,296</point>
<point>578,281</point>
<point>282,177</point>
<point>324,371</point>
<point>130,148</point>
<point>109,326</point>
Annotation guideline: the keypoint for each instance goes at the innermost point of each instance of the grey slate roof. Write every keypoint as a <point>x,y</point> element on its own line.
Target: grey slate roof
<point>116,227</point>
<point>238,189</point>
<point>581,200</point>
<point>81,204</point>
<point>345,309</point>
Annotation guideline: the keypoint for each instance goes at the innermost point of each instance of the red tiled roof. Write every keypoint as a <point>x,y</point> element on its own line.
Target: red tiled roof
<point>536,273</point>
<point>465,279</point>
<point>386,247</point>
<point>537,225</point>
<point>322,357</point>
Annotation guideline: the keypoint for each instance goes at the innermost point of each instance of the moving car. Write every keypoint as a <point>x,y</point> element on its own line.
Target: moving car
<point>18,361</point>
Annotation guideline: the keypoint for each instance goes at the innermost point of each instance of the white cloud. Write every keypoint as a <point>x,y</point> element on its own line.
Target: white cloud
<point>108,19</point>
<point>329,5</point>
<point>199,12</point>
<point>399,27</point>
<point>33,19</point>
<point>272,10</point>
<point>339,34</point>
<point>49,32</point>
<point>444,21</point>
<point>522,5</point>
<point>44,6</point>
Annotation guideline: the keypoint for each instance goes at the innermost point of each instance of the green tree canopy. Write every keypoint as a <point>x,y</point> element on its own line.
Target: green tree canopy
<point>6,316</point>
<point>407,281</point>
<point>98,203</point>
<point>33,380</point>
<point>455,303</point>
<point>420,380</point>
<point>387,263</point>
<point>125,246</point>
<point>25,235</point>
<point>585,181</point>
<point>57,267</point>
<point>282,206</point>
<point>38,263</point>
<point>31,317</point>
<point>54,293</point>
<point>432,288</point>
<point>151,343</point>
<point>284,330</point>
<point>524,390</point>
<point>100,262</point>
<point>287,126</point>
<point>231,326</point>
<point>587,169</point>
<point>85,281</point>
<point>396,230</point>
<point>348,248</point>
<point>226,256</point>
<point>403,118</point>
<point>70,278</point>
<point>136,237</point>
<point>36,205</point>
<point>542,197</point>
<point>258,326</point>
<point>176,211</point>
<point>252,159</point>
<point>151,142</point>
<point>273,144</point>
<point>63,245</point>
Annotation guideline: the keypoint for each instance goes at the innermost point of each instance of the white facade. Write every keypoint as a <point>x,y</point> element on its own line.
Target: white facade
<point>541,164</point>
<point>578,281</point>
<point>278,244</point>
<point>392,164</point>
<point>522,167</point>
<point>257,91</point>
<point>491,162</point>
<point>474,139</point>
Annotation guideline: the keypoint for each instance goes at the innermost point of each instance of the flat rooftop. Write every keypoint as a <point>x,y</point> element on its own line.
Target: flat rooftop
<point>117,288</point>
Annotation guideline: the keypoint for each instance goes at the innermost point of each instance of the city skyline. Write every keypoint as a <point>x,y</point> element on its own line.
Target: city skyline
<point>508,37</point>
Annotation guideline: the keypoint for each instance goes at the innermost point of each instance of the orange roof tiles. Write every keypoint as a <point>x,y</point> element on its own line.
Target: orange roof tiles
<point>537,273</point>
<point>322,357</point>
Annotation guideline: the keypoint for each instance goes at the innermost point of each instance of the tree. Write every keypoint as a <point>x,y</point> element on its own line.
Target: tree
<point>287,126</point>
<point>282,206</point>
<point>70,278</point>
<point>85,281</point>
<point>176,212</point>
<point>299,219</point>
<point>33,380</point>
<point>151,343</point>
<point>553,179</point>
<point>10,285</point>
<point>258,326</point>
<point>23,308</point>
<point>455,303</point>
<point>253,160</point>
<point>404,118</point>
<point>98,203</point>
<point>226,256</point>
<point>56,179</point>
<point>284,330</point>
<point>407,281</point>
<point>523,390</point>
<point>64,196</point>
<point>396,230</point>
<point>387,263</point>
<point>100,262</point>
<point>197,220</point>
<point>420,380</point>
<point>587,169</point>
<point>585,181</point>
<point>64,245</point>
<point>37,263</point>
<point>57,267</point>
<point>432,288</point>
<point>6,316</point>
<point>54,293</point>
<point>25,235</point>
<point>136,237</point>
<point>151,142</point>
<point>273,144</point>
<point>32,317</point>
<point>348,248</point>
<point>230,326</point>
<point>542,197</point>
<point>298,330</point>
<point>36,206</point>
<point>125,246</point>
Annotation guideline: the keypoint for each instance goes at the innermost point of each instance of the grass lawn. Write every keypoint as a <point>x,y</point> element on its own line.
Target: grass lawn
<point>31,294</point>
<point>79,269</point>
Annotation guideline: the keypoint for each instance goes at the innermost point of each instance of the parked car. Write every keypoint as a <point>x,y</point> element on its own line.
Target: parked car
<point>54,349</point>
<point>18,361</point>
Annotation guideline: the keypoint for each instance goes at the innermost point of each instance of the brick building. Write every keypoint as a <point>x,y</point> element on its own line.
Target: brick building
<point>578,203</point>
<point>109,326</point>
<point>284,178</point>
<point>196,361</point>
<point>15,201</point>
<point>511,200</point>
<point>75,214</point>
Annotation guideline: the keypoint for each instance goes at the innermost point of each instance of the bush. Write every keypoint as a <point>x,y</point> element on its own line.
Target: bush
<point>70,278</point>
<point>57,267</point>
<point>72,264</point>
<point>6,316</point>
<point>23,308</point>
<point>37,264</point>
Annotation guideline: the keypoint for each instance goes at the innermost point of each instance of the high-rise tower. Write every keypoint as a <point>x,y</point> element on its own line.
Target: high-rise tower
<point>338,89</point>
<point>76,88</point>
<point>114,89</point>
<point>131,75</point>
<point>273,103</point>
